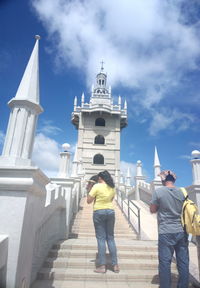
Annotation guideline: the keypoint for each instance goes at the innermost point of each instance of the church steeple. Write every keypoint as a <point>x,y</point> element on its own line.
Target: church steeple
<point>25,108</point>
<point>101,83</point>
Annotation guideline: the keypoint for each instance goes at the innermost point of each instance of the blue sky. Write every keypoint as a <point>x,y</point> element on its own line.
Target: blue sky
<point>151,51</point>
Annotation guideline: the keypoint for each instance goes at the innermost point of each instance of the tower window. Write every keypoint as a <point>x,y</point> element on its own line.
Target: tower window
<point>100,122</point>
<point>98,159</point>
<point>99,139</point>
<point>99,82</point>
<point>102,82</point>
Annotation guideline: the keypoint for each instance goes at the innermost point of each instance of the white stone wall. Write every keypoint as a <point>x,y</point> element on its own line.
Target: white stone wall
<point>33,219</point>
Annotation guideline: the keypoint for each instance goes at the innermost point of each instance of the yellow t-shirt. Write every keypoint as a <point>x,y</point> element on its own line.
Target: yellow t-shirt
<point>103,195</point>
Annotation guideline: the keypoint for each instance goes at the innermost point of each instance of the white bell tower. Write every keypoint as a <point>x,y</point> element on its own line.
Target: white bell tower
<point>99,125</point>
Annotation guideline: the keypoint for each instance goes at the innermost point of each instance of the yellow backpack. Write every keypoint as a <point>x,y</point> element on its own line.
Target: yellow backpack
<point>190,217</point>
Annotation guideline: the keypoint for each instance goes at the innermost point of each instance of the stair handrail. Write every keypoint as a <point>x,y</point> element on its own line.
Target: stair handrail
<point>120,201</point>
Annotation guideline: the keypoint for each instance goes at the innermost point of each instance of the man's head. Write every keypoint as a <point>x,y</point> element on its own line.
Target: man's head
<point>93,180</point>
<point>168,177</point>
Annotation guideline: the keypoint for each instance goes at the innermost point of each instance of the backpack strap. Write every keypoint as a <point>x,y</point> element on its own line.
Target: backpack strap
<point>184,192</point>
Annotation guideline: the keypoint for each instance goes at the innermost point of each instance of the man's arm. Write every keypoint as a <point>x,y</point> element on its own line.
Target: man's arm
<point>153,208</point>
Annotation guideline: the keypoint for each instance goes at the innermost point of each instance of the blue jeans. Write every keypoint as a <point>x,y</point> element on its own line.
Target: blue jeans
<point>167,244</point>
<point>104,221</point>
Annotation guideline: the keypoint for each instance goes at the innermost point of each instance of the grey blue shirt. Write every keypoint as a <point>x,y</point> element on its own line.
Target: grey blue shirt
<point>169,202</point>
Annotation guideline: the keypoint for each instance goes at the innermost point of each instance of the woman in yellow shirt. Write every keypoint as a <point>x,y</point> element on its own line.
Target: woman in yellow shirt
<point>104,219</point>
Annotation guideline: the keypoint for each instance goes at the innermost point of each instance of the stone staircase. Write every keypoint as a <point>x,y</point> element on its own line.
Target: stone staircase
<point>71,262</point>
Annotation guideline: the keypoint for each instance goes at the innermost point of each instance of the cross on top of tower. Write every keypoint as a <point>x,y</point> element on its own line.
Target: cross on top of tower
<point>102,68</point>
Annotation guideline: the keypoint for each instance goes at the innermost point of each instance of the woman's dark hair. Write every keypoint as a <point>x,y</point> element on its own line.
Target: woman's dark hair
<point>94,179</point>
<point>105,175</point>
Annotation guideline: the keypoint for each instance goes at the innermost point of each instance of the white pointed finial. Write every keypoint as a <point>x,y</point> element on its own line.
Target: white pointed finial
<point>37,37</point>
<point>29,85</point>
<point>128,177</point>
<point>75,101</point>
<point>83,98</point>
<point>128,172</point>
<point>156,165</point>
<point>121,178</point>
<point>156,159</point>
<point>125,105</point>
<point>119,100</point>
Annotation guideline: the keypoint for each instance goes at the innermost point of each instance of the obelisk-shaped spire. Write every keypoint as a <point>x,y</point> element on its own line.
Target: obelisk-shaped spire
<point>128,177</point>
<point>29,85</point>
<point>25,108</point>
<point>156,165</point>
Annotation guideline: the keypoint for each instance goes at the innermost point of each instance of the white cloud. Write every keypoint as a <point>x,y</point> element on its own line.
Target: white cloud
<point>145,44</point>
<point>170,120</point>
<point>185,157</point>
<point>49,128</point>
<point>140,37</point>
<point>46,154</point>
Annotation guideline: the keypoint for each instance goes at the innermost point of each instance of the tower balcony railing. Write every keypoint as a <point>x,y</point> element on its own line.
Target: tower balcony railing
<point>89,106</point>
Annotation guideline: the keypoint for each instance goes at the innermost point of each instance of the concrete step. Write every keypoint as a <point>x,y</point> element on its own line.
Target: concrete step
<point>85,247</point>
<point>92,254</point>
<point>125,264</point>
<point>92,231</point>
<point>123,242</point>
<point>88,274</point>
<point>84,226</point>
<point>132,236</point>
<point>89,222</point>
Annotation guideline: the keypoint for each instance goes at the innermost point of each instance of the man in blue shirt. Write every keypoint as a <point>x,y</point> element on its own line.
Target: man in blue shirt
<point>167,201</point>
